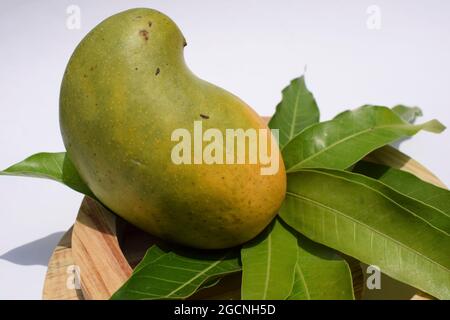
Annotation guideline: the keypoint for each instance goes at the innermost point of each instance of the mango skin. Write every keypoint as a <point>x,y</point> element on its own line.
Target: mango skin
<point>125,89</point>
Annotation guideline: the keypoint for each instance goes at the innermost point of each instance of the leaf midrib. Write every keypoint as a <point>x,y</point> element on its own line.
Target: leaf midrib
<point>196,277</point>
<point>269,258</point>
<point>299,164</point>
<point>294,115</point>
<point>299,269</point>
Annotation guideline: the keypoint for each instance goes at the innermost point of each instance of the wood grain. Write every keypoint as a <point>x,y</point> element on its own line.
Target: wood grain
<point>106,248</point>
<point>59,273</point>
<point>96,250</point>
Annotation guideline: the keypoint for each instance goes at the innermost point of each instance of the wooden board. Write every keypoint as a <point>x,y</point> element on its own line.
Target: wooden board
<point>106,248</point>
<point>60,282</point>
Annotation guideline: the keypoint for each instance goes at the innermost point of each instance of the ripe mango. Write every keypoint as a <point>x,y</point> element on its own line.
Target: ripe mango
<point>125,90</point>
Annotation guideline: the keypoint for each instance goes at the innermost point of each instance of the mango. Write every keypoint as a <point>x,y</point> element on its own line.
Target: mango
<point>126,89</point>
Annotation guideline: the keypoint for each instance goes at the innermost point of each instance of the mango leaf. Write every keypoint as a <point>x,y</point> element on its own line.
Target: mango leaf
<point>407,184</point>
<point>439,219</point>
<point>268,264</point>
<point>172,275</point>
<point>341,142</point>
<point>339,210</point>
<point>54,166</point>
<point>320,273</point>
<point>296,111</point>
<point>155,252</point>
<point>408,114</point>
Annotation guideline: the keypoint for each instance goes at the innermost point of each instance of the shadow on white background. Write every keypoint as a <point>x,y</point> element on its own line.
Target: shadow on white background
<point>36,252</point>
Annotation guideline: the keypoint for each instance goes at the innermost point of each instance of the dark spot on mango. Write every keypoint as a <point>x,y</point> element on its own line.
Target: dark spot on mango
<point>204,116</point>
<point>157,71</point>
<point>150,24</point>
<point>144,34</point>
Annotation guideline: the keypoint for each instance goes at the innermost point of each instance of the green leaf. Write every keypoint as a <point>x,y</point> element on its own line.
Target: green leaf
<point>152,255</point>
<point>175,275</point>
<point>407,184</point>
<point>439,219</point>
<point>341,142</point>
<point>320,273</point>
<point>408,114</point>
<point>296,111</point>
<point>54,166</point>
<point>340,210</point>
<point>268,264</point>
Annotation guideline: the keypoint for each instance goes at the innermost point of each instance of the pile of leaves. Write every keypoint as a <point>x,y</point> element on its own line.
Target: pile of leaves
<point>337,205</point>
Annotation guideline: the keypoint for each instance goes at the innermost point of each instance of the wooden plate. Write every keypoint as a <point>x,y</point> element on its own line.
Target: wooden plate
<point>104,249</point>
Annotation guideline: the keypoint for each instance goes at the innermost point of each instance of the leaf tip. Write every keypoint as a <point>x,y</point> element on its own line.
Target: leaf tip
<point>434,126</point>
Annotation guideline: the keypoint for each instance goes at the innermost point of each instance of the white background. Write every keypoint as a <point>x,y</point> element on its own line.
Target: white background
<point>252,48</point>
